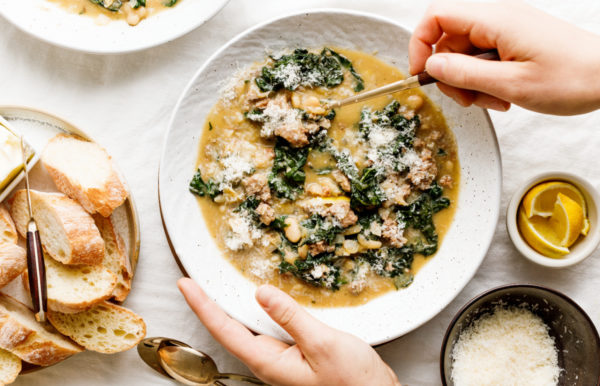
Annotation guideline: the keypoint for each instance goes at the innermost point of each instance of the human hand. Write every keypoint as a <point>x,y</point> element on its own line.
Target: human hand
<point>321,355</point>
<point>548,65</point>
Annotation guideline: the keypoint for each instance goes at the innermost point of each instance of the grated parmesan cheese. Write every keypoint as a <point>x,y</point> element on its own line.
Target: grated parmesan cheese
<point>277,115</point>
<point>243,232</point>
<point>509,347</point>
<point>233,169</point>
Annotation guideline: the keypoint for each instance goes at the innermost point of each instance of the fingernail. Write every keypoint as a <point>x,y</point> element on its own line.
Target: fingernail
<point>435,65</point>
<point>264,293</point>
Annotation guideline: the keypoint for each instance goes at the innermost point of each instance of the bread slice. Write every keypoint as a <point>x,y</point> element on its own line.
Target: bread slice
<point>106,328</point>
<point>116,259</point>
<point>75,288</point>
<point>10,367</point>
<point>68,232</point>
<point>13,261</point>
<point>8,232</point>
<point>84,171</point>
<point>33,342</point>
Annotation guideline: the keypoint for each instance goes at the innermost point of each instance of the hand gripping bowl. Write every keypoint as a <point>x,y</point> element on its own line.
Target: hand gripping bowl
<point>388,316</point>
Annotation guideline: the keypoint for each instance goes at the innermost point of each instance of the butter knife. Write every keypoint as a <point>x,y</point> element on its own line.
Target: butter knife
<point>36,270</point>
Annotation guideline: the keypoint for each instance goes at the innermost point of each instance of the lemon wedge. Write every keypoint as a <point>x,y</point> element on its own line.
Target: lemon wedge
<point>540,235</point>
<point>567,220</point>
<point>540,200</point>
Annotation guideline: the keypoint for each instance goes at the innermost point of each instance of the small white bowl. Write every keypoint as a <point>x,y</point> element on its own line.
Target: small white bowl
<point>583,248</point>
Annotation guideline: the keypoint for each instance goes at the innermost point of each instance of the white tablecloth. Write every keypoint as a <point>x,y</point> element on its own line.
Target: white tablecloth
<point>125,102</point>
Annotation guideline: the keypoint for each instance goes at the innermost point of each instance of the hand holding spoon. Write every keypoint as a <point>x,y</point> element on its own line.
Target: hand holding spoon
<point>414,81</point>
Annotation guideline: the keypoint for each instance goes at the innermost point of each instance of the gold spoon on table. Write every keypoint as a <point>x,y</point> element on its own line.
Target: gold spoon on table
<point>414,81</point>
<point>193,367</point>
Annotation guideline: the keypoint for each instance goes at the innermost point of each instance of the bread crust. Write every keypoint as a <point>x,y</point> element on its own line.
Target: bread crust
<point>103,200</point>
<point>87,246</point>
<point>124,275</point>
<point>8,232</point>
<point>27,343</point>
<point>53,318</point>
<point>6,377</point>
<point>13,261</point>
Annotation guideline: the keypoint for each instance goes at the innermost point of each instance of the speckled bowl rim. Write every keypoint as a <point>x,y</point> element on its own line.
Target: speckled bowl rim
<point>584,248</point>
<point>467,307</point>
<point>257,320</point>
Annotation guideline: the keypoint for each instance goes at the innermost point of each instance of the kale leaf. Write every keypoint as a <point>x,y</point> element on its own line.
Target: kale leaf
<point>419,215</point>
<point>366,192</point>
<point>114,6</point>
<point>287,175</point>
<point>304,269</point>
<point>201,188</point>
<point>320,230</point>
<point>390,262</point>
<point>303,68</point>
<point>170,3</point>
<point>248,206</point>
<point>139,3</point>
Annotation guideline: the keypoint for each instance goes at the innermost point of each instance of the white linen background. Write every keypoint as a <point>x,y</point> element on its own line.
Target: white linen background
<point>125,102</point>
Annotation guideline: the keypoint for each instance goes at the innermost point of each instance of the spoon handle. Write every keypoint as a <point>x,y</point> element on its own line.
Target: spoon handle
<point>414,81</point>
<point>242,378</point>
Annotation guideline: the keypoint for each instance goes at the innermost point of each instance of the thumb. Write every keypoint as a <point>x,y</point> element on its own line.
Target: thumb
<point>467,72</point>
<point>294,319</point>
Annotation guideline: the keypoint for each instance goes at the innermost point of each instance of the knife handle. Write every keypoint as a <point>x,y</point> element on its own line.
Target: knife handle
<point>36,273</point>
<point>424,78</point>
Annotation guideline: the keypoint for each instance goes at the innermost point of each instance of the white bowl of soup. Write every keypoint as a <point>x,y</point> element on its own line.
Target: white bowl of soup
<point>374,216</point>
<point>108,26</point>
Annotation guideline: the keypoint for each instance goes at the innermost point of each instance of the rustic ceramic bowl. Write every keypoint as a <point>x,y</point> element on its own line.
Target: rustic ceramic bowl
<point>394,313</point>
<point>575,335</point>
<point>583,248</point>
<point>50,22</point>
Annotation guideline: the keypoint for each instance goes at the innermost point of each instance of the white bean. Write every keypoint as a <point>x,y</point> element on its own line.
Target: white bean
<point>292,229</point>
<point>369,244</point>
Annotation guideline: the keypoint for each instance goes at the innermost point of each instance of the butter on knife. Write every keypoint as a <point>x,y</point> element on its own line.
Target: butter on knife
<point>11,162</point>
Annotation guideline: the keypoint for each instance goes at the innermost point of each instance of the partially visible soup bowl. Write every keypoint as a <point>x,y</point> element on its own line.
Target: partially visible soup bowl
<point>390,315</point>
<point>574,333</point>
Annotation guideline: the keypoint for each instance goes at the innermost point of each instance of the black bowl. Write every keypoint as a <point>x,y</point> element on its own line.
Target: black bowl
<point>575,336</point>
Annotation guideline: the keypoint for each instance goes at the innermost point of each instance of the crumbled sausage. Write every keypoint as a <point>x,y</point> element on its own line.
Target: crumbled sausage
<point>446,181</point>
<point>342,180</point>
<point>393,233</point>
<point>395,189</point>
<point>339,210</point>
<point>358,286</point>
<point>320,247</point>
<point>422,175</point>
<point>266,214</point>
<point>258,185</point>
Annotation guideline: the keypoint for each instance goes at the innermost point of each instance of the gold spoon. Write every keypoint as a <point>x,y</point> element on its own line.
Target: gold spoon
<point>192,367</point>
<point>414,81</point>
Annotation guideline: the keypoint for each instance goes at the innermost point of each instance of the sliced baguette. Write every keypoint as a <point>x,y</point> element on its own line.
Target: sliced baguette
<point>106,328</point>
<point>10,367</point>
<point>13,261</point>
<point>31,341</point>
<point>75,288</point>
<point>68,232</point>
<point>84,171</point>
<point>116,259</point>
<point>8,232</point>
